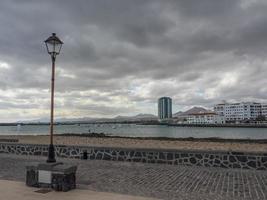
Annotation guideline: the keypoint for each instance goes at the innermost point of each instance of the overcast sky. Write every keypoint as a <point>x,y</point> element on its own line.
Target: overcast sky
<point>120,56</point>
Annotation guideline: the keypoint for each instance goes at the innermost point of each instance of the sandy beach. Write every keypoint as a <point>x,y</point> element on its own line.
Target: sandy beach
<point>143,143</point>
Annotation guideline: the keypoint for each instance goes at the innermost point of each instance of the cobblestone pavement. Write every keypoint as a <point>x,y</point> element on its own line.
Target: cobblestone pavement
<point>153,180</point>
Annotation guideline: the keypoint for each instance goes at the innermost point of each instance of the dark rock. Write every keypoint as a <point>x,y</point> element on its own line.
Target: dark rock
<point>162,156</point>
<point>235,165</point>
<point>198,156</point>
<point>131,153</point>
<point>73,153</point>
<point>138,154</point>
<point>237,153</point>
<point>99,156</point>
<point>232,159</point>
<point>224,166</point>
<point>242,158</point>
<point>107,151</point>
<point>184,155</point>
<point>252,164</point>
<point>169,156</point>
<point>225,157</point>
<point>264,159</point>
<point>106,156</point>
<point>192,160</point>
<point>217,161</point>
<point>177,155</point>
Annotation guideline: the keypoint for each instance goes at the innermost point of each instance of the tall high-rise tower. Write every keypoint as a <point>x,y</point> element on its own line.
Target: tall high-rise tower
<point>165,108</point>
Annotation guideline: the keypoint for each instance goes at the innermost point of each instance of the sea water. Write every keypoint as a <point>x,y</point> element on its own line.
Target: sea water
<point>134,130</point>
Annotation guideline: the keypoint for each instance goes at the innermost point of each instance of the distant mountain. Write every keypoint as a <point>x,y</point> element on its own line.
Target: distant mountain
<point>177,114</point>
<point>138,117</point>
<point>145,116</point>
<point>193,110</point>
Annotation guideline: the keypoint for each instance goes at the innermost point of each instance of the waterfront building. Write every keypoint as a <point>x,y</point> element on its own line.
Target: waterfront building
<point>264,110</point>
<point>165,108</point>
<point>237,112</point>
<point>205,118</point>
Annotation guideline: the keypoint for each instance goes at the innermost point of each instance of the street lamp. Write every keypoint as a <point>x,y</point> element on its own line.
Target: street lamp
<point>53,46</point>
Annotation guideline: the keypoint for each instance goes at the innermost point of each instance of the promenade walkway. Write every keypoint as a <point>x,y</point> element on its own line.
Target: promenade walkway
<point>152,180</point>
<point>11,190</point>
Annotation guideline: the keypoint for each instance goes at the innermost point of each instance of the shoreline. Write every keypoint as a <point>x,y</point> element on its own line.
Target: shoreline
<point>143,123</point>
<point>207,139</point>
<point>102,135</point>
<point>205,144</point>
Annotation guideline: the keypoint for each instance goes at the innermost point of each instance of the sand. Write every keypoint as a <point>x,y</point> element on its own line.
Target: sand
<point>144,143</point>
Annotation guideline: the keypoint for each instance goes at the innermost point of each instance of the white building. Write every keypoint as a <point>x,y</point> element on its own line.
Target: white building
<point>205,118</point>
<point>238,111</point>
<point>264,110</point>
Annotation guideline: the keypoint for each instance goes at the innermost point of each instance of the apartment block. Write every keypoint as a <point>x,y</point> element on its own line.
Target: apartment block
<point>205,118</point>
<point>238,111</point>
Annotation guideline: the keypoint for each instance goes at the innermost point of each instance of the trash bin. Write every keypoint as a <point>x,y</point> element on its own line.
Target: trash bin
<point>85,155</point>
<point>32,176</point>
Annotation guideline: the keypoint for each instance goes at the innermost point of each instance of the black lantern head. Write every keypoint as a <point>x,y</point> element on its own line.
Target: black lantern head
<point>53,45</point>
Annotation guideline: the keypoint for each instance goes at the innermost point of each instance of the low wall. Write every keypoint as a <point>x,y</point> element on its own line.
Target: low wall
<point>223,159</point>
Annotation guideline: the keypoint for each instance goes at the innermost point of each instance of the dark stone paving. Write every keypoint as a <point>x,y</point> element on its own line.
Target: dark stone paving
<point>153,180</point>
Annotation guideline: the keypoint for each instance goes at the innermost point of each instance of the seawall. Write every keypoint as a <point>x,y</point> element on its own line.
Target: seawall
<point>225,159</point>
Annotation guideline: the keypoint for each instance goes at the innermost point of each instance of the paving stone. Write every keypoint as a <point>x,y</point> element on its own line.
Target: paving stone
<point>167,182</point>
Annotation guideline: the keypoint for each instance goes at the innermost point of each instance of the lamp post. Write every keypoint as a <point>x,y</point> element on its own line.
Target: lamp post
<point>53,46</point>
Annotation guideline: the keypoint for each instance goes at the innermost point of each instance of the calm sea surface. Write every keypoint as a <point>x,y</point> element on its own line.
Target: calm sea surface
<point>133,130</point>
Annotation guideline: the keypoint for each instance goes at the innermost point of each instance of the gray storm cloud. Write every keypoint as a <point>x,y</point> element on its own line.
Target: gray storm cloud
<point>125,54</point>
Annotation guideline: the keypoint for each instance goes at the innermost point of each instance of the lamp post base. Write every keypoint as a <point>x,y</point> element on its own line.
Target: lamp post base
<point>51,154</point>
